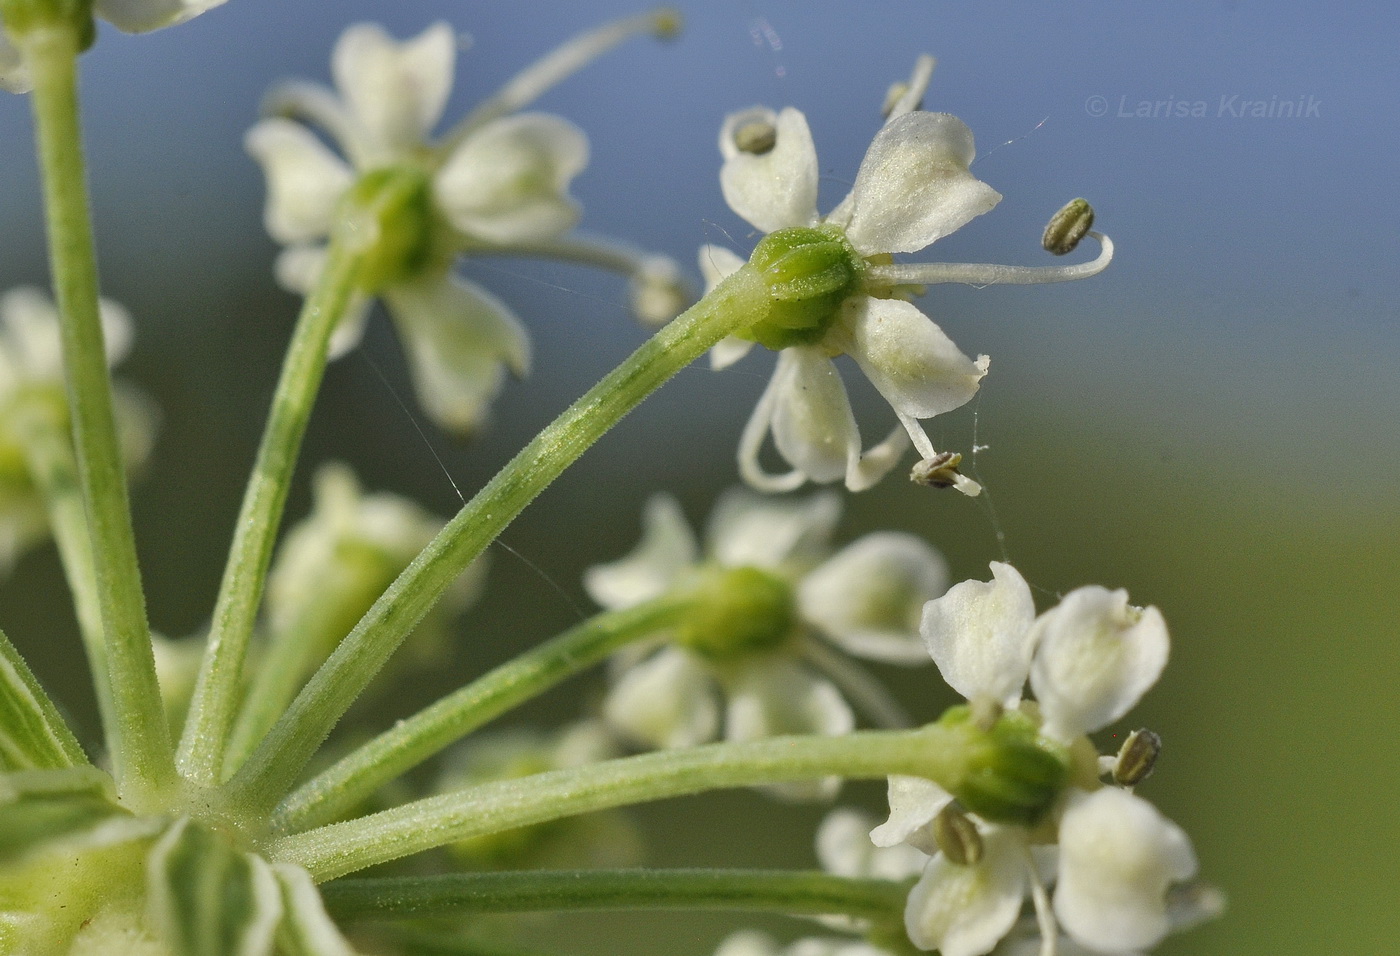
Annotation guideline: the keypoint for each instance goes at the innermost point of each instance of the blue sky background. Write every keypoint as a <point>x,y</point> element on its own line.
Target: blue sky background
<point>1212,422</point>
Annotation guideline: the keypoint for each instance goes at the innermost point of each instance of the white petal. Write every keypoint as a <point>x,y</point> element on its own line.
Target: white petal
<point>457,337</point>
<point>1095,656</point>
<point>979,635</point>
<point>773,696</point>
<point>916,367</point>
<point>867,598</point>
<point>306,930</point>
<point>966,910</point>
<point>748,943</point>
<point>1118,855</point>
<point>844,847</point>
<point>138,16</point>
<point>509,181</point>
<point>14,76</point>
<point>667,548</point>
<point>766,532</point>
<point>30,337</point>
<point>914,802</point>
<point>716,263</point>
<point>778,188</point>
<point>814,428</point>
<point>668,700</point>
<point>729,350</point>
<point>913,186</point>
<point>396,90</point>
<point>305,180</point>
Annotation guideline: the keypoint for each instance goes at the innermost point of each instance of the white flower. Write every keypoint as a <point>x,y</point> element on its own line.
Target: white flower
<point>1089,660</point>
<point>129,16</point>
<point>753,943</point>
<point>31,383</point>
<point>496,182</point>
<point>912,188</point>
<point>770,603</point>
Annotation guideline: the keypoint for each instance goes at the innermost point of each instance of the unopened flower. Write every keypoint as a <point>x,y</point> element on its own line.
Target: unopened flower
<point>32,395</point>
<point>129,16</point>
<point>497,182</point>
<point>838,292</point>
<point>754,659</point>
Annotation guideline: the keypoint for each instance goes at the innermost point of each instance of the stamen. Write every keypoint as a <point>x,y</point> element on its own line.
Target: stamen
<point>532,82</point>
<point>1044,915</point>
<point>316,105</point>
<point>908,97</point>
<point>932,273</point>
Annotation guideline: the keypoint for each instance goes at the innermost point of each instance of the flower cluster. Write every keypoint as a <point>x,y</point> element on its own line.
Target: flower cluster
<point>1111,855</point>
<point>495,183</point>
<point>847,296</point>
<point>771,602</point>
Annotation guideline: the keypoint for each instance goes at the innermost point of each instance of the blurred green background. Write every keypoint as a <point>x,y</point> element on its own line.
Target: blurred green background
<point>1211,424</point>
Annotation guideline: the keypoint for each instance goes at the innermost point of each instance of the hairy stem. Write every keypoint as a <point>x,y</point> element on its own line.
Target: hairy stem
<point>935,752</point>
<point>428,732</point>
<point>215,700</point>
<point>271,770</point>
<point>773,891</point>
<point>142,757</point>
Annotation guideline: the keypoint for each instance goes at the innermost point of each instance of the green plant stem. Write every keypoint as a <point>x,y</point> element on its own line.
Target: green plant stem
<point>215,700</point>
<point>47,441</point>
<point>428,732</point>
<point>33,734</point>
<point>269,773</point>
<point>773,891</point>
<point>935,752</point>
<point>143,757</point>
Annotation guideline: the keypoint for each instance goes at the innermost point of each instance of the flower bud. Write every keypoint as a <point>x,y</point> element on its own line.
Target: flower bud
<point>957,836</point>
<point>1137,758</point>
<point>1067,227</point>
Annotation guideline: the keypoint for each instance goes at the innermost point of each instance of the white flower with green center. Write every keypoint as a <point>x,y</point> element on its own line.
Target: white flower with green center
<point>1089,660</point>
<point>755,658</point>
<point>497,183</point>
<point>32,394</point>
<point>838,291</point>
<point>129,16</point>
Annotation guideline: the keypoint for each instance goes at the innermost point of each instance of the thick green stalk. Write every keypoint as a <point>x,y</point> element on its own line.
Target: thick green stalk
<point>142,757</point>
<point>772,891</point>
<point>428,732</point>
<point>33,734</point>
<point>936,752</point>
<point>270,772</point>
<point>215,701</point>
<point>47,441</point>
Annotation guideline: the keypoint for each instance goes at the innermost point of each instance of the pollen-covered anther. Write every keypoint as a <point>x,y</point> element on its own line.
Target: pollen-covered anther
<point>957,836</point>
<point>1067,227</point>
<point>756,138</point>
<point>1137,758</point>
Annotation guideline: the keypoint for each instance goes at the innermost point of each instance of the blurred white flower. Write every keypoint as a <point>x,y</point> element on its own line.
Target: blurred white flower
<point>497,182</point>
<point>130,16</point>
<point>912,188</point>
<point>32,395</point>
<point>755,658</point>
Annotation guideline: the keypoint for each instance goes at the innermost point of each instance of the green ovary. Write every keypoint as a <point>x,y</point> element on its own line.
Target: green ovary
<point>810,272</point>
<point>738,612</point>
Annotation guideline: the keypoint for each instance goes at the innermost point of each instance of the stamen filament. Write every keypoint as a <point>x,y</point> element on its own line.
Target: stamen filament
<point>532,82</point>
<point>980,273</point>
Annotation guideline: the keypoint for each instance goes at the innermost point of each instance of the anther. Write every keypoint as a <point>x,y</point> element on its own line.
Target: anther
<point>1137,758</point>
<point>756,138</point>
<point>957,836</point>
<point>1067,227</point>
